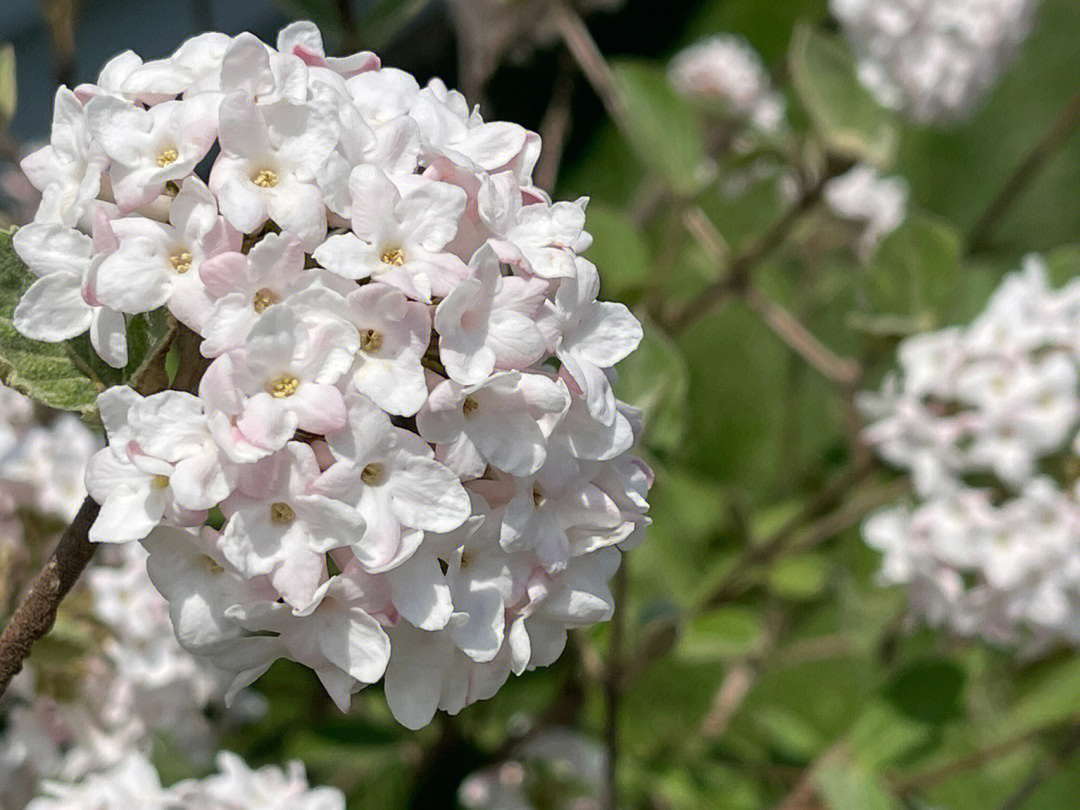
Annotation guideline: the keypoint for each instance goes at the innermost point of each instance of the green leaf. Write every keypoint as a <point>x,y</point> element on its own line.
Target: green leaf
<point>8,92</point>
<point>930,691</point>
<point>800,576</point>
<point>722,633</point>
<point>847,117</point>
<point>619,251</point>
<point>664,130</point>
<point>911,282</point>
<point>848,786</point>
<point>654,378</point>
<point>44,371</point>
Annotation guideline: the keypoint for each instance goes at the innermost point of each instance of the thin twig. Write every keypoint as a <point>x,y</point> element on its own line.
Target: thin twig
<point>1043,771</point>
<point>555,127</point>
<point>613,687</point>
<point>841,370</point>
<point>1045,148</point>
<point>759,249</point>
<point>575,34</point>
<point>35,615</point>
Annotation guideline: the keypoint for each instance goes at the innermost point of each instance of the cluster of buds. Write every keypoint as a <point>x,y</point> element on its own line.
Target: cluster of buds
<point>934,59</point>
<point>134,783</point>
<point>726,73</point>
<point>985,419</point>
<point>406,430</point>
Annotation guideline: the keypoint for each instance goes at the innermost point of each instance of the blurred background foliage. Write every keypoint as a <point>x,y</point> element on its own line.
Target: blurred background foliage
<point>754,662</point>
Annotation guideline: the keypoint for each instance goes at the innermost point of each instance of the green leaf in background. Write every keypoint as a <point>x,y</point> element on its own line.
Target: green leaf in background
<point>725,632</point>
<point>1063,265</point>
<point>619,251</point>
<point>799,576</point>
<point>845,114</point>
<point>8,91</point>
<point>912,280</point>
<point>665,131</point>
<point>654,378</point>
<point>930,691</point>
<point>43,371</point>
<point>848,786</point>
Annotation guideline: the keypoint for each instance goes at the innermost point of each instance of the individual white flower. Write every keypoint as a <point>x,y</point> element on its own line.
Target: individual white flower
<point>394,336</point>
<point>398,236</point>
<point>489,322</point>
<point>162,461</point>
<point>159,263</point>
<point>68,171</point>
<point>132,782</point>
<point>494,422</point>
<point>269,159</point>
<point>540,238</point>
<point>279,526</point>
<point>57,307</point>
<point>150,148</point>
<point>591,336</point>
<point>392,477</point>
<point>287,371</point>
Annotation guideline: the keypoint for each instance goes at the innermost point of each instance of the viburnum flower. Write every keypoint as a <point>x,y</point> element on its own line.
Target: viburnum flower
<point>399,448</point>
<point>935,60</point>
<point>985,419</point>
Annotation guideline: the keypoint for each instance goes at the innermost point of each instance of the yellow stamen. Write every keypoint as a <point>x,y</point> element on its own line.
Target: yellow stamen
<point>283,386</point>
<point>167,157</point>
<point>370,340</point>
<point>181,262</point>
<point>263,298</point>
<point>394,256</point>
<point>161,481</point>
<point>211,565</point>
<point>281,513</point>
<point>469,406</point>
<point>265,178</point>
<point>373,474</point>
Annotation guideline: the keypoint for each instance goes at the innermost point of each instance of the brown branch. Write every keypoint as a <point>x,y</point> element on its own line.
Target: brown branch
<point>799,339</point>
<point>744,262</point>
<point>35,615</point>
<point>555,127</point>
<point>613,688</point>
<point>1063,125</point>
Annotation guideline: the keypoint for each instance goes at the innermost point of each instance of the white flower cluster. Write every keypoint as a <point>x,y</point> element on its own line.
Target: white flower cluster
<point>115,701</point>
<point>41,462</point>
<point>878,203</point>
<point>935,59</point>
<point>725,70</point>
<point>408,418</point>
<point>134,783</point>
<point>986,419</point>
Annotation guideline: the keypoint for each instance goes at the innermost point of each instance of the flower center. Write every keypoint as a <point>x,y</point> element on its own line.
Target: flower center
<point>283,386</point>
<point>160,481</point>
<point>370,340</point>
<point>469,406</point>
<point>281,513</point>
<point>181,262</point>
<point>393,256</point>
<point>538,498</point>
<point>373,474</point>
<point>263,298</point>
<point>167,157</point>
<point>211,565</point>
<point>265,178</point>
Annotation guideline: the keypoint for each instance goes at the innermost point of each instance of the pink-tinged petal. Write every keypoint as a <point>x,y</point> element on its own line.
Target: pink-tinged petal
<point>224,273</point>
<point>319,408</point>
<point>346,255</point>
